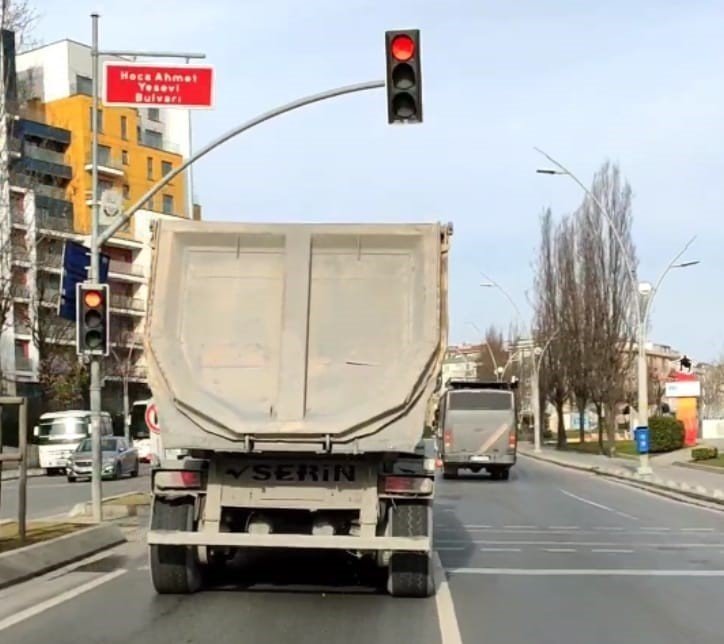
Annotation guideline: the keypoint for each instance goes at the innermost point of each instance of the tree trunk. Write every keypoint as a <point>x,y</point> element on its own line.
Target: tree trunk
<point>561,439</point>
<point>582,422</point>
<point>600,419</point>
<point>611,429</point>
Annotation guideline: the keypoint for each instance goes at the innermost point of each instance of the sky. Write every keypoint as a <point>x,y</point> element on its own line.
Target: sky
<point>638,83</point>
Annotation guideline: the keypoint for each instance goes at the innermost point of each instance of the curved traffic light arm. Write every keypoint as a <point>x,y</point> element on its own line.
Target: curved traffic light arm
<point>257,120</point>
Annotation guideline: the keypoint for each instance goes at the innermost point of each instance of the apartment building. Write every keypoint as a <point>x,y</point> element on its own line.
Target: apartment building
<point>49,195</point>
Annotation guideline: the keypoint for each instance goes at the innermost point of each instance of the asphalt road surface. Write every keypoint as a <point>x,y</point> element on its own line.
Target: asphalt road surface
<point>551,556</point>
<point>51,495</point>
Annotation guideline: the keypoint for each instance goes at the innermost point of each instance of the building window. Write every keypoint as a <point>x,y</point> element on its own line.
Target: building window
<point>104,155</point>
<point>153,139</point>
<point>166,167</point>
<point>149,167</point>
<point>124,157</point>
<point>99,120</point>
<point>168,204</point>
<point>124,128</point>
<point>126,191</point>
<point>149,204</point>
<point>154,114</point>
<point>83,85</point>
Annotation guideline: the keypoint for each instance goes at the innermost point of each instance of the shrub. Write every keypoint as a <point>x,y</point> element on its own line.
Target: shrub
<point>704,453</point>
<point>666,434</point>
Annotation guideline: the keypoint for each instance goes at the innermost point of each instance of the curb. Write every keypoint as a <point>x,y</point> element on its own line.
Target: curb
<point>25,563</point>
<point>12,475</point>
<point>110,512</point>
<point>671,489</point>
<point>702,468</point>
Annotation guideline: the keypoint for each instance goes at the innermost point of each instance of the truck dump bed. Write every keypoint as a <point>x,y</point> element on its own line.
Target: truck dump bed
<point>296,336</point>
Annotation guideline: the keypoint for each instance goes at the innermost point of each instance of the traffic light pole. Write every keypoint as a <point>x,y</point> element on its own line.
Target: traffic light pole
<point>96,243</point>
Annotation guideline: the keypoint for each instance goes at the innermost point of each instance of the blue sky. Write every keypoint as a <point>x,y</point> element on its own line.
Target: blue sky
<point>640,83</point>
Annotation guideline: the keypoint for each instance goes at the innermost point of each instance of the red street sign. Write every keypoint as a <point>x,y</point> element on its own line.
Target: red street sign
<point>141,84</point>
<point>151,417</point>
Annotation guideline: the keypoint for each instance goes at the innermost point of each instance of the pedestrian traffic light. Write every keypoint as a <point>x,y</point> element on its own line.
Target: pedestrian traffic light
<point>404,76</point>
<point>92,336</point>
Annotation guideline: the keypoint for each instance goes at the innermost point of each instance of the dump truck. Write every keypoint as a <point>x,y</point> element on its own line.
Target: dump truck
<point>294,364</point>
<point>478,420</point>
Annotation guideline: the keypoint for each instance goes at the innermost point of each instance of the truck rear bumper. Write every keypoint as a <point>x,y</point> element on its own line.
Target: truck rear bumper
<point>470,461</point>
<point>299,541</point>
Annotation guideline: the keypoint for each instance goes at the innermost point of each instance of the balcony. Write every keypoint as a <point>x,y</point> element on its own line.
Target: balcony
<point>18,216</point>
<point>127,303</point>
<point>50,260</point>
<point>108,162</point>
<point>20,291</point>
<point>33,123</point>
<point>23,364</point>
<point>20,254</point>
<point>145,137</point>
<point>52,192</point>
<point>21,327</point>
<point>126,268</point>
<point>46,221</point>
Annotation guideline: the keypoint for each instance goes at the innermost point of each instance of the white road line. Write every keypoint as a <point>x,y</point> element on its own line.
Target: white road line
<point>559,549</point>
<point>32,611</point>
<point>564,527</point>
<point>582,544</point>
<point>520,527</point>
<point>146,567</point>
<point>597,505</point>
<point>590,572</point>
<point>697,529</point>
<point>612,550</point>
<point>499,549</point>
<point>446,617</point>
<point>449,548</point>
<point>476,527</point>
<point>608,528</point>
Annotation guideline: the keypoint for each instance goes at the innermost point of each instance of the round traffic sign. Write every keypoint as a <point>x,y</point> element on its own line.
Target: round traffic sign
<point>152,418</point>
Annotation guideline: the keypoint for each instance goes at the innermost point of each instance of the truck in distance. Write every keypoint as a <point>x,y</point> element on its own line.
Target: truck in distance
<point>295,364</point>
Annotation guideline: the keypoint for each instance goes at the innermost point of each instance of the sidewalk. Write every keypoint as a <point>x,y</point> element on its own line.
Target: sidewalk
<point>12,473</point>
<point>708,486</point>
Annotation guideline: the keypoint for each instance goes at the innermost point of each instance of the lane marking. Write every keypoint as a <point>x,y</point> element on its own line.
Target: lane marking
<point>478,527</point>
<point>697,529</point>
<point>32,611</point>
<point>521,527</point>
<point>559,549</point>
<point>446,617</point>
<point>449,548</point>
<point>597,505</point>
<point>146,567</point>
<point>609,528</point>
<point>499,549</point>
<point>564,527</point>
<point>612,550</point>
<point>590,544</point>
<point>591,572</point>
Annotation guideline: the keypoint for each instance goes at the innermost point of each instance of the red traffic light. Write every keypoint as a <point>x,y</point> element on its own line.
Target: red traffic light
<point>403,47</point>
<point>92,298</point>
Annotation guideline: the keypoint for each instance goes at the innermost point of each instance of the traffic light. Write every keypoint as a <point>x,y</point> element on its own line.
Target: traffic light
<point>92,336</point>
<point>404,76</point>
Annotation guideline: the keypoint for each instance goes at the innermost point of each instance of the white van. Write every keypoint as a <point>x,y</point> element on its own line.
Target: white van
<point>59,433</point>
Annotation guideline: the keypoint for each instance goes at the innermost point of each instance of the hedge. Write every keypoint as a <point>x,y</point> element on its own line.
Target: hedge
<point>704,453</point>
<point>666,434</point>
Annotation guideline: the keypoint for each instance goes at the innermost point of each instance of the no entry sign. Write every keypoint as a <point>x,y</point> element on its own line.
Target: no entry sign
<point>144,85</point>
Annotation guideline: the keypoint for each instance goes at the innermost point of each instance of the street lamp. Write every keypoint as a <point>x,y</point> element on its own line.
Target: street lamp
<point>538,355</point>
<point>646,293</point>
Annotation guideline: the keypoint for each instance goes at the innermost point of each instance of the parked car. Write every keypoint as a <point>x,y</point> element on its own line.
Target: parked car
<point>119,459</point>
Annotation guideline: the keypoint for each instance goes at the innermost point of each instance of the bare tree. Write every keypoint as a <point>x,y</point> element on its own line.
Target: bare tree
<point>548,324</point>
<point>493,354</point>
<point>21,17</point>
<point>712,394</point>
<point>608,295</point>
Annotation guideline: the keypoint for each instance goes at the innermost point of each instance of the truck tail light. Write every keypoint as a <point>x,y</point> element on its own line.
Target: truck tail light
<point>512,440</point>
<point>447,437</point>
<point>407,485</point>
<point>178,479</point>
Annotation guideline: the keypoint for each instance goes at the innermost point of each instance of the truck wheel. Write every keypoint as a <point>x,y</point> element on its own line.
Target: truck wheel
<point>174,569</point>
<point>410,573</point>
<point>505,473</point>
<point>449,472</point>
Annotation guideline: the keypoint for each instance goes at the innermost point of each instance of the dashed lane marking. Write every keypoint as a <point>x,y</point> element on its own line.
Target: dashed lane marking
<point>597,505</point>
<point>446,617</point>
<point>585,572</point>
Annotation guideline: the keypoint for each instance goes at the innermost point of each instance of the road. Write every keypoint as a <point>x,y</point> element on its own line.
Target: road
<point>50,495</point>
<point>552,556</point>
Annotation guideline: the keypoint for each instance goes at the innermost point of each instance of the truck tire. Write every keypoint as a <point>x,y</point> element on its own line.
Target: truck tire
<point>449,472</point>
<point>174,569</point>
<point>410,573</point>
<point>505,473</point>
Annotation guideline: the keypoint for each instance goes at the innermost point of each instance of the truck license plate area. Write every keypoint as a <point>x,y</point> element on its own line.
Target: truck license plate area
<point>480,459</point>
<point>296,473</point>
